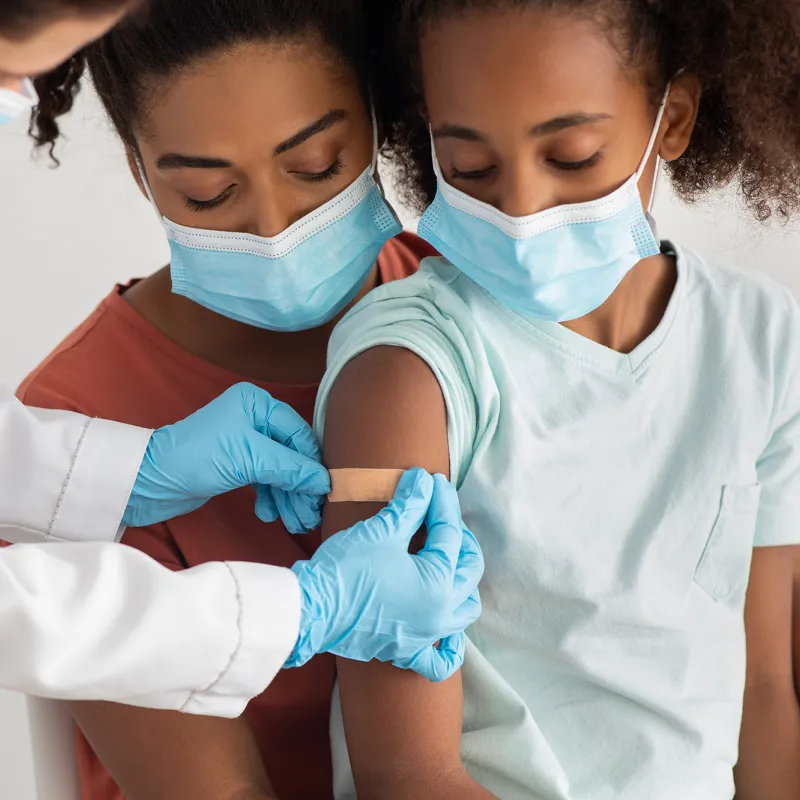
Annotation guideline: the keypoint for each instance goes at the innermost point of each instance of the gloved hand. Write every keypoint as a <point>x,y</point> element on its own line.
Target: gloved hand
<point>243,437</point>
<point>365,597</point>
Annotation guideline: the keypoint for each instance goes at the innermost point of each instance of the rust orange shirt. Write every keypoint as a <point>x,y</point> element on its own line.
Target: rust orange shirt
<point>119,366</point>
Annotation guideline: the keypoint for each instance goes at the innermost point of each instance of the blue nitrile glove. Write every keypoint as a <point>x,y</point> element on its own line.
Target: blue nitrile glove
<point>243,437</point>
<point>365,597</point>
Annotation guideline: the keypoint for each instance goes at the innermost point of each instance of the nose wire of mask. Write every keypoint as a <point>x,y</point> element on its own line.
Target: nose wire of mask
<point>298,280</point>
<point>556,265</point>
<point>14,104</point>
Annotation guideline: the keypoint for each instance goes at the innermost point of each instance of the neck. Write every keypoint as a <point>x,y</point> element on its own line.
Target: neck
<point>253,353</point>
<point>635,308</point>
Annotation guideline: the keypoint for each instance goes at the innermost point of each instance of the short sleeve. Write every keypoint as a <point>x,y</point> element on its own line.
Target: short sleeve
<point>425,315</point>
<point>779,465</point>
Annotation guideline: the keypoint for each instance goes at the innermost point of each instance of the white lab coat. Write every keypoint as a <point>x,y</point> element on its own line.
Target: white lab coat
<point>96,620</point>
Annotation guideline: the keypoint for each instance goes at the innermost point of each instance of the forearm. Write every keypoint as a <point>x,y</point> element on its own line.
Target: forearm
<point>443,785</point>
<point>769,761</point>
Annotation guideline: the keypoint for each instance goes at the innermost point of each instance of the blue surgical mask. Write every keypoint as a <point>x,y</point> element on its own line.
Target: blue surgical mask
<point>297,280</point>
<point>13,104</point>
<point>556,265</point>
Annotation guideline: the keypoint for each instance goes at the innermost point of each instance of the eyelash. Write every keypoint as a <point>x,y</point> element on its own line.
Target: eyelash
<point>318,177</point>
<point>208,205</point>
<point>564,166</point>
<point>575,166</point>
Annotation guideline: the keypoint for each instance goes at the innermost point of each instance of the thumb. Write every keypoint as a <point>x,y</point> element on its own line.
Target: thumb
<point>275,465</point>
<point>437,664</point>
<point>405,514</point>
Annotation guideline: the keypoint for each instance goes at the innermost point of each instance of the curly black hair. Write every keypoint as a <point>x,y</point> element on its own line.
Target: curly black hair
<point>128,63</point>
<point>746,54</point>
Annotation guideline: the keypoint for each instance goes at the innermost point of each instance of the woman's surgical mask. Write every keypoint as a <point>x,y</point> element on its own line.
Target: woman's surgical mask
<point>297,280</point>
<point>15,103</point>
<point>556,265</point>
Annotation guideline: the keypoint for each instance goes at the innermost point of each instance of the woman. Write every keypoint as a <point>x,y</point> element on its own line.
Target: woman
<point>621,418</point>
<point>250,126</point>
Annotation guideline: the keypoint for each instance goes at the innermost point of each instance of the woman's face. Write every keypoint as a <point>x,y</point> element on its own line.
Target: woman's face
<point>254,139</point>
<point>42,50</point>
<point>532,109</point>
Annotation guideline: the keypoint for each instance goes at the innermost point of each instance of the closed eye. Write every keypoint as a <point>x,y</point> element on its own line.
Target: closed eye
<point>317,177</point>
<point>471,175</point>
<point>574,166</point>
<point>207,205</point>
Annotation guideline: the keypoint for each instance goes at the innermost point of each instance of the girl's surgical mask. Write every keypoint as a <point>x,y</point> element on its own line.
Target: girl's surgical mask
<point>297,280</point>
<point>15,103</point>
<point>557,265</point>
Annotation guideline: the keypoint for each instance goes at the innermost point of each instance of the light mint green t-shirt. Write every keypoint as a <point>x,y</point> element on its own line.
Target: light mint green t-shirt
<point>617,499</point>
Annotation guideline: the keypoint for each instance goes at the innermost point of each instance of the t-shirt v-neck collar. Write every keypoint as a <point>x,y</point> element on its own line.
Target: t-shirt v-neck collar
<point>599,356</point>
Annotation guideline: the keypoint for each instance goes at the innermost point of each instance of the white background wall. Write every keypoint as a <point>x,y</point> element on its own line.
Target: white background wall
<point>67,235</point>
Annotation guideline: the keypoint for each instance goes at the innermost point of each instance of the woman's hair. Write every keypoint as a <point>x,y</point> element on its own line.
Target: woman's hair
<point>746,54</point>
<point>133,60</point>
<point>19,18</point>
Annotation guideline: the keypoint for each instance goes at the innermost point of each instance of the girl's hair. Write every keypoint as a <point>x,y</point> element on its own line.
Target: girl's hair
<point>131,61</point>
<point>746,53</point>
<point>19,18</point>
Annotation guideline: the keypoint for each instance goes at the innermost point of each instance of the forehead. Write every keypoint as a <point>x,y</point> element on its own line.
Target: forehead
<point>43,49</point>
<point>517,62</point>
<point>253,91</point>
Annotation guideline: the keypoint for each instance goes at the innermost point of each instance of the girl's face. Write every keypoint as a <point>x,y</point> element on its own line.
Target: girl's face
<point>532,109</point>
<point>254,139</point>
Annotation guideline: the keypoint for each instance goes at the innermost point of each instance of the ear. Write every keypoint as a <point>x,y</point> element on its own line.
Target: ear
<point>134,168</point>
<point>681,116</point>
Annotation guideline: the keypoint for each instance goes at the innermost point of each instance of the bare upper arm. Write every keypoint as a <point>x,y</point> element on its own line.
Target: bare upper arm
<point>166,755</point>
<point>386,410</point>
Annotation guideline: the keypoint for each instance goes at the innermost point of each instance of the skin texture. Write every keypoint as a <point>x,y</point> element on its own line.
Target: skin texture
<point>501,74</point>
<point>52,44</point>
<point>237,107</point>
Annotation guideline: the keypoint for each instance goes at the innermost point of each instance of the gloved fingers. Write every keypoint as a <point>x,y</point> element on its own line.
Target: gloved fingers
<point>445,527</point>
<point>405,514</point>
<point>281,423</point>
<point>278,466</point>
<point>437,664</point>
<point>300,513</point>
<point>470,567</point>
<point>266,509</point>
<point>468,613</point>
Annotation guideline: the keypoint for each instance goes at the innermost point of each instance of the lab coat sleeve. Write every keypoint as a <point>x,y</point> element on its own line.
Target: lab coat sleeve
<point>105,622</point>
<point>64,476</point>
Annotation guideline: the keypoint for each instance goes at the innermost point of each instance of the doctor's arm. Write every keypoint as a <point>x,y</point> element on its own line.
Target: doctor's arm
<point>403,732</point>
<point>64,476</point>
<point>106,622</point>
<point>769,767</point>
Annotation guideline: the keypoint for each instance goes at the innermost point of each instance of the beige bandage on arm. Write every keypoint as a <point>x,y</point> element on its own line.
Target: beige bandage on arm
<point>363,485</point>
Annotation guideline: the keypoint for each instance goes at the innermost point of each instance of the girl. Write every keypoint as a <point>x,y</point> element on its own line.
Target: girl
<point>621,418</point>
<point>247,123</point>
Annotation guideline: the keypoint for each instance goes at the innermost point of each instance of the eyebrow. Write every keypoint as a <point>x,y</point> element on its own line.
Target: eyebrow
<point>448,131</point>
<point>324,123</point>
<point>182,161</point>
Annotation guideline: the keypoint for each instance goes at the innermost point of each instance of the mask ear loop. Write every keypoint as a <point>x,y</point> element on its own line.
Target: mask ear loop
<point>375,143</point>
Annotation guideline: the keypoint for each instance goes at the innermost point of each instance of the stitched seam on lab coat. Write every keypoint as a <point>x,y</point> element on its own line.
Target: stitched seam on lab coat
<point>66,482</point>
<point>237,649</point>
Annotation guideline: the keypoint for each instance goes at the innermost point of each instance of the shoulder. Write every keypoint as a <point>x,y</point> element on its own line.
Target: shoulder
<point>410,346</point>
<point>83,371</point>
<point>755,299</point>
